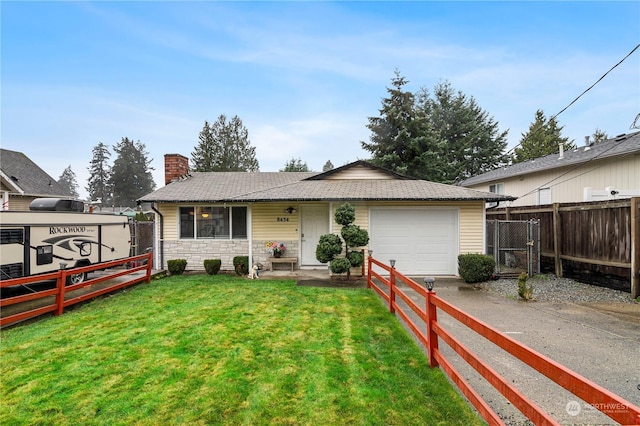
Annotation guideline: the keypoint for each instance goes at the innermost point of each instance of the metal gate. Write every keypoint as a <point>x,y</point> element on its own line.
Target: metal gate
<point>515,246</point>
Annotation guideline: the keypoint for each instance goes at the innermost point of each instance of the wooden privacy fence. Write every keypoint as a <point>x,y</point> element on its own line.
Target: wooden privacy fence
<point>433,331</point>
<point>601,237</point>
<point>130,276</point>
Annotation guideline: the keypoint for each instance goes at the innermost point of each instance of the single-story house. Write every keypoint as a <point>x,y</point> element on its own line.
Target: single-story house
<point>22,181</point>
<point>603,171</point>
<point>423,225</point>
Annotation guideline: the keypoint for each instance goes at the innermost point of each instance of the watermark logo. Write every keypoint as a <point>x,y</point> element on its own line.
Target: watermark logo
<point>573,408</point>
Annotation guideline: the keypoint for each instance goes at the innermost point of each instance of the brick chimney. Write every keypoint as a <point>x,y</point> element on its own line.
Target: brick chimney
<point>175,165</point>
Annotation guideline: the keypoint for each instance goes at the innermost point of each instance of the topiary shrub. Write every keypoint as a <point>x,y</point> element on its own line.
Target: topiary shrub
<point>241,265</point>
<point>475,268</point>
<point>212,266</point>
<point>330,245</point>
<point>524,291</point>
<point>176,266</point>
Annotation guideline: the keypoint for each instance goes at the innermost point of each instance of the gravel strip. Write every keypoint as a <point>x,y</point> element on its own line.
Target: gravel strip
<point>549,288</point>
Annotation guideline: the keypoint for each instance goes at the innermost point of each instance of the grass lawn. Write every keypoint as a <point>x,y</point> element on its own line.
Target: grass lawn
<point>223,350</point>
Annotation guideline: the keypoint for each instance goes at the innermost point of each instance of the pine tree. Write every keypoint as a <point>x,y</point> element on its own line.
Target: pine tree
<point>543,138</point>
<point>98,187</point>
<point>68,181</point>
<point>224,147</point>
<point>131,176</point>
<point>327,166</point>
<point>295,165</point>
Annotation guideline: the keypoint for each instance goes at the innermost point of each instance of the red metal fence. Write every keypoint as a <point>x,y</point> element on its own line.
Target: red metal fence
<point>624,412</point>
<point>131,275</point>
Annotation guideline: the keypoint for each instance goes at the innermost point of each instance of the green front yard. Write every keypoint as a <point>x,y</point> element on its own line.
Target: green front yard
<point>223,350</point>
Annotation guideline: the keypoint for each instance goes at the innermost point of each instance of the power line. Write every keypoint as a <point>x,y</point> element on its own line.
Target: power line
<point>579,96</point>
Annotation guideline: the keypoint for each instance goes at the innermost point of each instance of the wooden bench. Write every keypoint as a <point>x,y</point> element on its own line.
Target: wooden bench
<point>291,260</point>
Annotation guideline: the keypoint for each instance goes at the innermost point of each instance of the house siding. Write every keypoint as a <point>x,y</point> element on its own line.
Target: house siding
<point>568,183</point>
<point>358,172</point>
<point>267,225</point>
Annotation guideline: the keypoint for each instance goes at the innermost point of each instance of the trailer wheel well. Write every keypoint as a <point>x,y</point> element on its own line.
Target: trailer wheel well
<point>82,262</point>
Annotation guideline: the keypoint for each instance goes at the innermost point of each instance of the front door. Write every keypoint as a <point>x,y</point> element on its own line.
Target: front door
<point>314,223</point>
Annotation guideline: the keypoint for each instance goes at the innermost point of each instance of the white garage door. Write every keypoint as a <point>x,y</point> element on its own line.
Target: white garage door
<point>424,241</point>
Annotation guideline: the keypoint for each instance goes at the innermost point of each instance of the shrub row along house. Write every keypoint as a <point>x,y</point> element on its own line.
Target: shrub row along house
<point>421,224</point>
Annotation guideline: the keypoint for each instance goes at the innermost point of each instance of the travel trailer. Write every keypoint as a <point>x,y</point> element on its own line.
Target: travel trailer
<point>55,233</point>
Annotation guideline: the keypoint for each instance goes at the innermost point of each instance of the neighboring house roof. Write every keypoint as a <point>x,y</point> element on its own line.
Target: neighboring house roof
<point>22,176</point>
<point>310,186</point>
<point>619,146</point>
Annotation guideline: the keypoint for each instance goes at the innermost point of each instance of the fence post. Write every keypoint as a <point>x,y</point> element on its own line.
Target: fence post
<point>392,286</point>
<point>60,286</point>
<point>432,318</point>
<point>557,229</point>
<point>369,268</point>
<point>635,246</point>
<point>149,266</point>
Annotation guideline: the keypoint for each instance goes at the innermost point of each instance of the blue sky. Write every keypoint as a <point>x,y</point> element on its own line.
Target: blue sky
<point>302,76</point>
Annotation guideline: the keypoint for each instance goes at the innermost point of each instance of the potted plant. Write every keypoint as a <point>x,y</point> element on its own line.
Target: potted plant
<point>275,248</point>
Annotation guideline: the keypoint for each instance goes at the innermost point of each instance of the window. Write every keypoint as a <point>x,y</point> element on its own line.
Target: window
<point>497,188</point>
<point>544,196</point>
<point>213,222</point>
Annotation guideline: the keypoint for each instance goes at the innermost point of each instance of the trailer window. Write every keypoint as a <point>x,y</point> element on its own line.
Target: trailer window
<point>44,255</point>
<point>213,222</point>
<point>12,236</point>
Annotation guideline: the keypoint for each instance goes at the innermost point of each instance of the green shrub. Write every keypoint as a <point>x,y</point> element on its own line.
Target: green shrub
<point>355,258</point>
<point>212,266</point>
<point>241,265</point>
<point>475,268</point>
<point>340,265</point>
<point>176,266</point>
<point>329,246</point>
<point>524,291</point>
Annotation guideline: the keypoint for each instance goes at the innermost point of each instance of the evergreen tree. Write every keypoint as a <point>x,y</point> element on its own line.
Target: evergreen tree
<point>131,176</point>
<point>398,134</point>
<point>543,138</point>
<point>327,166</point>
<point>99,175</point>
<point>599,136</point>
<point>295,165</point>
<point>224,147</point>
<point>68,181</point>
<point>473,143</point>
<point>442,138</point>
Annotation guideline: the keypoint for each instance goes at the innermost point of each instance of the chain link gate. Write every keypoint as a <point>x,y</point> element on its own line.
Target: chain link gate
<point>515,246</point>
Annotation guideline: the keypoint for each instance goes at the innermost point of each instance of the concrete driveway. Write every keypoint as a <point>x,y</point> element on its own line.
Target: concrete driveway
<point>598,341</point>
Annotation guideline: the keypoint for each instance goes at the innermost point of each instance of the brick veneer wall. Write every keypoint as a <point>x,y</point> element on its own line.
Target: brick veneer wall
<point>260,253</point>
<point>196,251</point>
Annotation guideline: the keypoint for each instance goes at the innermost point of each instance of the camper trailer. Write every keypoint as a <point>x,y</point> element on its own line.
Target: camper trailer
<point>55,233</point>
